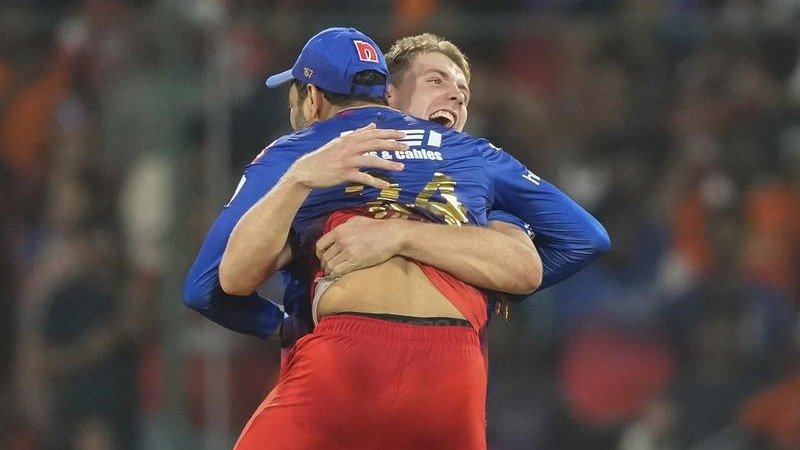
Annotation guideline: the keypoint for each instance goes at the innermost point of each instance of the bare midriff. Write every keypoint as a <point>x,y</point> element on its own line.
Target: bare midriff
<point>397,286</point>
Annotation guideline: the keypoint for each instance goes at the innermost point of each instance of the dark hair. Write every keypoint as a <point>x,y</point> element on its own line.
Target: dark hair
<point>363,78</point>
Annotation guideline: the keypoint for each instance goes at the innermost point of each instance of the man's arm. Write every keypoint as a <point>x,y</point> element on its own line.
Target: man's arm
<point>567,236</point>
<point>258,245</point>
<point>249,313</point>
<point>500,257</point>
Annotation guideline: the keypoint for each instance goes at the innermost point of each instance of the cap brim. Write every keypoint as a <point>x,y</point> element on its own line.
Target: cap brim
<point>279,79</point>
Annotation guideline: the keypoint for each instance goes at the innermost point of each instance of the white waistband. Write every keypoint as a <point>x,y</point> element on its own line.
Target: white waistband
<point>322,284</point>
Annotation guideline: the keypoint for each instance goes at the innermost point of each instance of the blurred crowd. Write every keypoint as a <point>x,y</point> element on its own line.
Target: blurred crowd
<point>124,124</point>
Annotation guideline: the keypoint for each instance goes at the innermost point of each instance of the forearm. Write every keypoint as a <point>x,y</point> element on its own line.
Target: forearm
<point>562,260</point>
<point>567,237</point>
<point>258,245</point>
<point>251,315</point>
<point>496,259</point>
<point>202,292</point>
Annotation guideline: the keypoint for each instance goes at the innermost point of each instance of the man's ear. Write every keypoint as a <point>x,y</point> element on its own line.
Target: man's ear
<point>315,102</point>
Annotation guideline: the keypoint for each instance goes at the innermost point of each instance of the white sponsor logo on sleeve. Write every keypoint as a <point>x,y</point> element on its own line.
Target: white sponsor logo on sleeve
<point>238,188</point>
<point>533,178</point>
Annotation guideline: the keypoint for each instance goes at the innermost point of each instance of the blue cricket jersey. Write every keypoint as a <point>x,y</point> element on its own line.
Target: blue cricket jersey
<point>449,177</point>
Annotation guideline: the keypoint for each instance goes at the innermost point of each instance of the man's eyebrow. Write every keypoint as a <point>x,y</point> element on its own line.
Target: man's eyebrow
<point>436,71</point>
<point>444,74</point>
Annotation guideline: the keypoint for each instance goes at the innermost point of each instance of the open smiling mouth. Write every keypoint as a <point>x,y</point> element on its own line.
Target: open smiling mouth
<point>444,117</point>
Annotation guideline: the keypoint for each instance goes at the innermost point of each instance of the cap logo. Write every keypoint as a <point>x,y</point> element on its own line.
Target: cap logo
<point>366,52</point>
<point>307,72</point>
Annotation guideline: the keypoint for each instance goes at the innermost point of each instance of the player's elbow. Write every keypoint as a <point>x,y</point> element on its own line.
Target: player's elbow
<point>527,276</point>
<point>531,279</point>
<point>236,284</point>
<point>196,295</point>
<point>600,241</point>
<point>527,284</point>
<point>191,299</point>
<point>237,280</point>
<point>236,288</point>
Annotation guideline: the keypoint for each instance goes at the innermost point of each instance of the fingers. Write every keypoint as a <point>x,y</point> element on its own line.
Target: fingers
<point>323,264</point>
<point>369,126</point>
<point>374,162</point>
<point>327,269</point>
<point>328,249</point>
<point>381,143</point>
<point>338,266</point>
<point>372,132</point>
<point>370,138</point>
<point>343,158</point>
<point>369,147</point>
<point>369,180</point>
<point>326,255</point>
<point>323,243</point>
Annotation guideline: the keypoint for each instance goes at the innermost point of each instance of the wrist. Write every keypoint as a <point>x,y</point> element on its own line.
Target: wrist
<point>294,180</point>
<point>402,230</point>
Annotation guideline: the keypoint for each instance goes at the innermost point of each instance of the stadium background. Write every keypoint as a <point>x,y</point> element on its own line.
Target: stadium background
<point>124,125</point>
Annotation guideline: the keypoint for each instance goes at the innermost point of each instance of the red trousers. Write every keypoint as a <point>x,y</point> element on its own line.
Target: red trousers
<point>362,383</point>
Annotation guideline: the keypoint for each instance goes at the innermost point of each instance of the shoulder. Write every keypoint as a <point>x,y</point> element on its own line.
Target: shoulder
<point>293,145</point>
<point>478,145</point>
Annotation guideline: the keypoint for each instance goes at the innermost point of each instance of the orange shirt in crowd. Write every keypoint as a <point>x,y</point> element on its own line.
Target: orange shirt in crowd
<point>26,113</point>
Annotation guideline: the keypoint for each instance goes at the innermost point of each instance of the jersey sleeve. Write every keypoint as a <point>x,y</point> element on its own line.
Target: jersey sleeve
<point>503,216</point>
<point>202,292</point>
<point>567,237</point>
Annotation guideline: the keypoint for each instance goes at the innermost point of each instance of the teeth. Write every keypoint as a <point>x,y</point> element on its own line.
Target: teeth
<point>443,116</point>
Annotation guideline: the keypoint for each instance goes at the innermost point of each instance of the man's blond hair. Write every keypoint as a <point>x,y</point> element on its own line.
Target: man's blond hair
<point>406,49</point>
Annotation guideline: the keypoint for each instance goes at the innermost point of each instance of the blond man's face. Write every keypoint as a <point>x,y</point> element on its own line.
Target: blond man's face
<point>433,88</point>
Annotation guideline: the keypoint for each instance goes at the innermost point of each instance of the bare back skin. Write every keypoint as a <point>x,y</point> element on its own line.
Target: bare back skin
<point>396,286</point>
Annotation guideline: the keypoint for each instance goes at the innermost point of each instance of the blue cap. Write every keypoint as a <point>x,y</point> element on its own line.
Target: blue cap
<point>331,58</point>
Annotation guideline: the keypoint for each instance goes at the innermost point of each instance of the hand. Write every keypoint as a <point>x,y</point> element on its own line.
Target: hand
<point>357,244</point>
<point>339,160</point>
